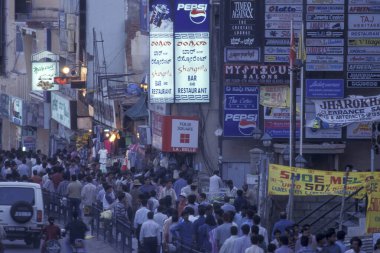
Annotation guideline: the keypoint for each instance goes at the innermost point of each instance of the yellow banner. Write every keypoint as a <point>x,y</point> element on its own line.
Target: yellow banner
<point>373,209</point>
<point>309,182</point>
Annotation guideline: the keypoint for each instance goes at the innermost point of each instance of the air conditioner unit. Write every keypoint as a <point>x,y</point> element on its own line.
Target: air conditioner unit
<point>144,135</point>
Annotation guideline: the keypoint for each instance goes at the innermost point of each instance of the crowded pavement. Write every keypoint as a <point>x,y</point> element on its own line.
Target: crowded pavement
<point>167,213</point>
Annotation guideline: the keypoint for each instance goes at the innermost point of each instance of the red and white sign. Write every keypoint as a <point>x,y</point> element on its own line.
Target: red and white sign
<point>175,133</point>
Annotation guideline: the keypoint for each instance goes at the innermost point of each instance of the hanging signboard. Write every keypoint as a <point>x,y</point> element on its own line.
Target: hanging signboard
<point>256,73</point>
<point>192,56</point>
<point>324,88</point>
<point>161,88</point>
<point>16,112</point>
<point>348,110</point>
<point>45,66</point>
<point>241,108</point>
<point>309,182</point>
<point>175,133</point>
<point>362,130</point>
<point>63,110</point>
<point>275,96</point>
<point>240,23</point>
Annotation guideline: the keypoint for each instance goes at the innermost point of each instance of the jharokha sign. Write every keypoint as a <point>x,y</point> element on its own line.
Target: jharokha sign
<point>309,182</point>
<point>348,110</point>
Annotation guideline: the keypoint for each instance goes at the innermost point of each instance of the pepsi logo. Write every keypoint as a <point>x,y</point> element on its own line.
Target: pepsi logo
<point>246,127</point>
<point>198,16</point>
<point>197,12</point>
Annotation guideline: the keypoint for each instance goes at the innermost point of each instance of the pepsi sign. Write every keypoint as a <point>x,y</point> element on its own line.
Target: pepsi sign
<point>241,105</point>
<point>192,16</point>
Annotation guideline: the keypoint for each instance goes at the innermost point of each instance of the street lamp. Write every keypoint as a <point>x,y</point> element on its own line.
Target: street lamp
<point>256,133</point>
<point>300,162</point>
<point>266,139</point>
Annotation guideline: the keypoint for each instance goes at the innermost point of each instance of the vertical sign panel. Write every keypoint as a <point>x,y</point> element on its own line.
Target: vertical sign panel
<point>241,110</point>
<point>240,23</point>
<point>161,88</point>
<point>192,59</point>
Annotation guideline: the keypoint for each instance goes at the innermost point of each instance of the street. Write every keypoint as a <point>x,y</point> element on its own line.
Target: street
<point>92,245</point>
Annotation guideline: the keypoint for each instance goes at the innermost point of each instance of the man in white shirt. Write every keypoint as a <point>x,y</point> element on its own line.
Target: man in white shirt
<point>169,191</point>
<point>356,244</point>
<point>228,245</point>
<point>88,195</point>
<point>254,248</point>
<point>243,242</point>
<point>150,234</point>
<point>262,231</point>
<point>215,184</point>
<point>140,218</point>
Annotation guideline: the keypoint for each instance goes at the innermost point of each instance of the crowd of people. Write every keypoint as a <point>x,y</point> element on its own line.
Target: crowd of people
<point>167,210</point>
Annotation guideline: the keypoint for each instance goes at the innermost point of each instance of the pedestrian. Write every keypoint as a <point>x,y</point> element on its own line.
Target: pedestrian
<point>262,230</point>
<point>282,224</point>
<point>254,248</point>
<point>215,184</point>
<point>231,189</point>
<point>183,233</point>
<point>340,236</point>
<point>74,189</point>
<point>356,244</point>
<point>244,242</point>
<point>179,184</point>
<point>169,191</point>
<point>88,195</point>
<point>229,244</point>
<point>140,218</point>
<point>223,231</point>
<point>150,235</point>
<point>331,246</point>
<point>376,247</point>
<point>109,198</point>
<point>284,245</point>
<point>305,248</point>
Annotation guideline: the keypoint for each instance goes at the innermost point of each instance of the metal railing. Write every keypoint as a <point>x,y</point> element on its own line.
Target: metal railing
<point>331,209</point>
<point>117,232</point>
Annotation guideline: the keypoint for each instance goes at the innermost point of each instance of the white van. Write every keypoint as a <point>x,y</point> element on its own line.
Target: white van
<point>22,211</point>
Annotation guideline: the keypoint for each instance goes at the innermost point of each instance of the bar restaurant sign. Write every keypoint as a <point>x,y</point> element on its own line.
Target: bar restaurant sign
<point>348,110</point>
<point>45,66</point>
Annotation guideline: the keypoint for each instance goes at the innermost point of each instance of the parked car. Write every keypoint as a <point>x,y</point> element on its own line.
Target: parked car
<point>22,211</point>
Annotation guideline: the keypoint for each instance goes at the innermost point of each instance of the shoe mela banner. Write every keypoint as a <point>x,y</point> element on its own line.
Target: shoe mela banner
<point>309,182</point>
<point>348,110</point>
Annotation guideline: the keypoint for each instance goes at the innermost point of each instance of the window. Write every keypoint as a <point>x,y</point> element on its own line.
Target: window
<point>10,195</point>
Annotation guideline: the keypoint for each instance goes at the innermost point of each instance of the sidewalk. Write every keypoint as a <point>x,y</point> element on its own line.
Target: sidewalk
<point>98,246</point>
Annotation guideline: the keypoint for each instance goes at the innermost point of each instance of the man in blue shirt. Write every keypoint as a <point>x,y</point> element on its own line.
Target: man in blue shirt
<point>179,184</point>
<point>183,232</point>
<point>282,224</point>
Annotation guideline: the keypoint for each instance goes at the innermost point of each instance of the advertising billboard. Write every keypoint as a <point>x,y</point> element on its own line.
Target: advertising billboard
<point>241,110</point>
<point>16,111</point>
<point>43,74</point>
<point>63,110</point>
<point>192,46</point>
<point>175,133</point>
<point>240,23</point>
<point>161,88</point>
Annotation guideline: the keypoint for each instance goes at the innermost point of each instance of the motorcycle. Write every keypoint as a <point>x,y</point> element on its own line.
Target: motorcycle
<point>77,246</point>
<point>53,246</point>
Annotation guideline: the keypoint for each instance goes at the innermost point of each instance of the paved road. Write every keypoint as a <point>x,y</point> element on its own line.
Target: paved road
<point>93,246</point>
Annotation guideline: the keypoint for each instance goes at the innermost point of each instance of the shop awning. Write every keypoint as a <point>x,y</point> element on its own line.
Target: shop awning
<point>139,109</point>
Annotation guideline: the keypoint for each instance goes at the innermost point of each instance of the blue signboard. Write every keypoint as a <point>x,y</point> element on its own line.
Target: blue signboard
<point>324,88</point>
<point>192,16</point>
<point>241,110</point>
